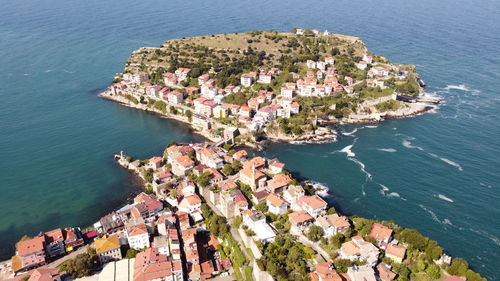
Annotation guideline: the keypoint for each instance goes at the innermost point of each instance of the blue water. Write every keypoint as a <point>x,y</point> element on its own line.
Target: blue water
<point>441,169</point>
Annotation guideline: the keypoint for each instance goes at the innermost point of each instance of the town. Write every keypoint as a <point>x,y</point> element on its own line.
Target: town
<point>288,102</point>
<point>212,212</point>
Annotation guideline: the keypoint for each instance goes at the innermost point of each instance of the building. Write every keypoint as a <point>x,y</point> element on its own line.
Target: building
<point>181,165</point>
<point>333,224</point>
<point>256,221</point>
<point>151,265</point>
<point>276,167</point>
<point>395,252</point>
<point>138,236</point>
<point>54,243</point>
<point>45,274</point>
<point>292,195</point>
<point>381,233</point>
<point>248,79</point>
<point>275,204</point>
<point>300,220</point>
<point>265,77</point>
<point>182,73</point>
<point>314,205</point>
<point>252,177</point>
<point>73,238</point>
<point>385,273</point>
<point>278,183</point>
<point>175,97</point>
<point>361,273</point>
<point>108,248</point>
<point>29,254</point>
<point>190,204</point>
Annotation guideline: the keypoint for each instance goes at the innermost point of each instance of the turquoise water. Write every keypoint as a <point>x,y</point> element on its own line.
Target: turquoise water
<point>441,169</point>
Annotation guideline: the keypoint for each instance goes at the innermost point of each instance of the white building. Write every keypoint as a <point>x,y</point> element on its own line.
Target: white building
<point>138,236</point>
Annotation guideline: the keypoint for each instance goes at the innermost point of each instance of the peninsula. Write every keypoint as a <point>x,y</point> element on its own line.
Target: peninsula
<point>213,210</point>
<point>269,85</point>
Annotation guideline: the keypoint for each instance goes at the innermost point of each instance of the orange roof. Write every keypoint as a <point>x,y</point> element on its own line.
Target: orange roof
<point>248,173</point>
<point>227,184</point>
<point>185,161</point>
<point>380,232</point>
<point>55,235</point>
<point>278,164</point>
<point>396,251</point>
<point>135,230</point>
<point>29,246</point>
<point>107,243</point>
<point>314,201</point>
<point>156,159</point>
<point>350,248</point>
<point>256,161</point>
<point>17,263</point>
<point>385,273</point>
<point>299,217</point>
<point>340,222</point>
<point>44,274</point>
<point>278,181</point>
<point>240,154</point>
<point>193,199</point>
<point>275,200</point>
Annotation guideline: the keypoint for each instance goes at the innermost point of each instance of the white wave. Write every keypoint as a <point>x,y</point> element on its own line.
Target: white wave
<point>363,168</point>
<point>486,185</point>
<point>384,188</point>
<point>387,149</point>
<point>447,161</point>
<point>443,197</point>
<point>460,87</point>
<point>348,151</point>
<point>48,70</point>
<point>435,217</point>
<point>490,236</point>
<point>350,133</point>
<point>371,126</point>
<point>26,74</point>
<point>393,194</point>
<point>406,143</point>
<point>67,71</point>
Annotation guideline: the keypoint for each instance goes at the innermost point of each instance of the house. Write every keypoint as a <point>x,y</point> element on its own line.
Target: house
<point>395,252</point>
<point>151,265</point>
<point>252,177</point>
<point>169,79</point>
<point>367,58</point>
<point>278,183</point>
<point>175,97</point>
<point>29,254</point>
<point>300,220</point>
<point>287,92</point>
<point>154,163</point>
<point>333,224</point>
<point>164,176</point>
<point>259,196</point>
<point>220,112</point>
<point>276,167</point>
<point>227,184</point>
<point>326,272</point>
<point>257,162</point>
<point>203,79</point>
<point>265,77</point>
<point>378,71</point>
<point>72,238</point>
<point>45,274</point>
<point>164,222</point>
<point>381,233</point>
<point>385,273</point>
<point>109,224</point>
<point>330,60</point>
<point>362,65</point>
<point>247,79</point>
<point>240,155</point>
<point>182,73</point>
<point>292,195</point>
<point>190,204</point>
<point>54,243</point>
<point>181,165</point>
<point>314,205</point>
<point>321,65</point>
<point>276,204</point>
<point>138,236</point>
<point>311,64</point>
<point>361,273</point>
<point>151,203</point>
<point>268,112</point>
<point>108,248</point>
<point>359,249</point>
<point>256,221</point>
<point>209,158</point>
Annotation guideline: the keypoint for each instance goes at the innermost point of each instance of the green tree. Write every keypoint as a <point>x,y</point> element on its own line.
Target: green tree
<point>315,233</point>
<point>433,271</point>
<point>131,253</point>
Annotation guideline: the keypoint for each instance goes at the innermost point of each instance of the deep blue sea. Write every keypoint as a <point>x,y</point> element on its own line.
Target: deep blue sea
<point>438,173</point>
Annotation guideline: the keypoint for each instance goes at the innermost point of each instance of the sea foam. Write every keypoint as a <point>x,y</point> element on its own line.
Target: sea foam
<point>443,197</point>
<point>387,149</point>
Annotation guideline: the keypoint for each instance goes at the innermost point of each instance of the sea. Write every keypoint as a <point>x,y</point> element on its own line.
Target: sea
<point>438,172</point>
